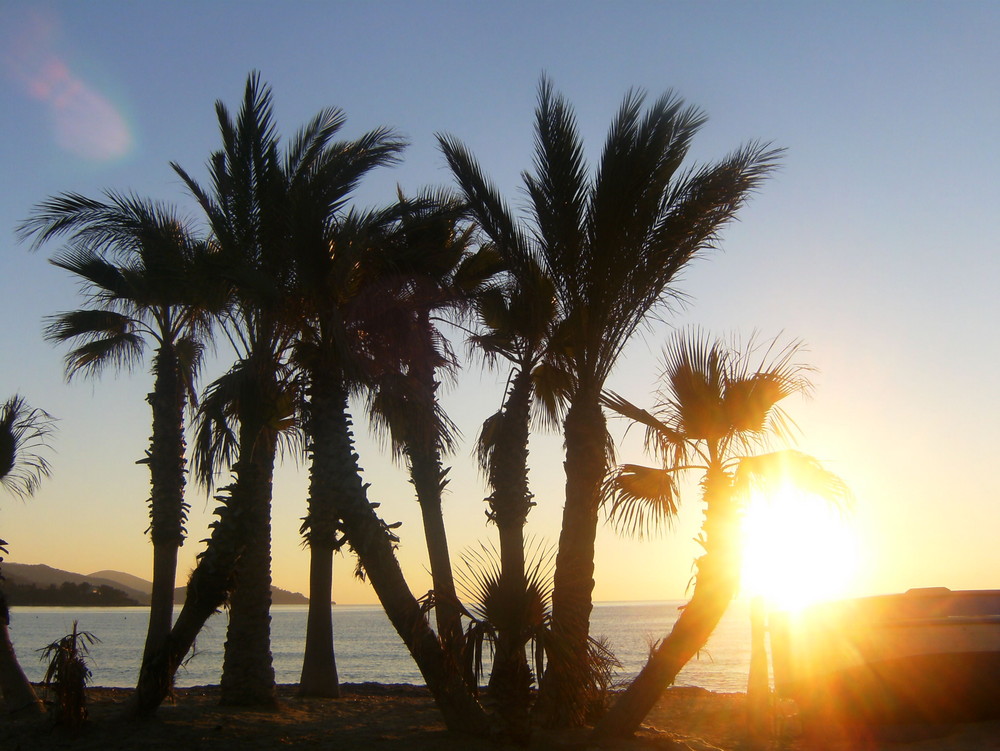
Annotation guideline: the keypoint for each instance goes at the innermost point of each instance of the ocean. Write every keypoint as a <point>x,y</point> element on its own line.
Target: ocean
<point>367,648</point>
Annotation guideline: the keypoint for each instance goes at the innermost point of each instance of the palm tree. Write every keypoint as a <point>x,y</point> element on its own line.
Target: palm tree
<point>24,432</point>
<point>358,323</point>
<point>719,409</point>
<point>139,268</point>
<point>517,316</point>
<point>611,243</point>
<point>244,411</point>
<point>340,321</point>
<point>256,214</point>
<point>435,276</point>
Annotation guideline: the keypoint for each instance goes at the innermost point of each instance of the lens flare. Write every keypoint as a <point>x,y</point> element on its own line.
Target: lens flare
<point>797,550</point>
<point>84,121</point>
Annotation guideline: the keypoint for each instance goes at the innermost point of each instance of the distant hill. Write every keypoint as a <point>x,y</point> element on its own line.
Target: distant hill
<point>44,576</point>
<point>124,580</point>
<point>135,587</point>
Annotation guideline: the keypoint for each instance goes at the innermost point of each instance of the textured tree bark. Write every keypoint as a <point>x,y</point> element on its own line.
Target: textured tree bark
<point>319,665</point>
<point>429,480</point>
<point>320,527</point>
<point>167,509</point>
<point>510,502</point>
<point>208,588</point>
<point>211,582</point>
<point>247,668</point>
<point>717,581</point>
<point>563,693</point>
<point>161,617</point>
<point>15,688</point>
<point>373,541</point>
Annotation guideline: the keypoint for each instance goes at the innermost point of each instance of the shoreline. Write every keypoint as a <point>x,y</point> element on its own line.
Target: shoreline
<point>403,717</point>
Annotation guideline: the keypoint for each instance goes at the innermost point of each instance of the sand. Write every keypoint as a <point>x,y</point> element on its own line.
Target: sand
<point>376,717</point>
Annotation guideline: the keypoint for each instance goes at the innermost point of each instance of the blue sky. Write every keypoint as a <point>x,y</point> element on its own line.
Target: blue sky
<point>876,243</point>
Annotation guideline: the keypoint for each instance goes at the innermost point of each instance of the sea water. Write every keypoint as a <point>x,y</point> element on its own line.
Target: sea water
<point>367,648</point>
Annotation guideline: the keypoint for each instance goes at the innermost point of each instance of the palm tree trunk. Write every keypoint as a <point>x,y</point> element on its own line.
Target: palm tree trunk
<point>717,581</point>
<point>208,589</point>
<point>161,615</point>
<point>429,481</point>
<point>209,585</point>
<point>372,540</point>
<point>562,698</point>
<point>247,668</point>
<point>15,688</point>
<point>319,665</point>
<point>167,509</point>
<point>510,681</point>
<point>321,525</point>
<point>511,498</point>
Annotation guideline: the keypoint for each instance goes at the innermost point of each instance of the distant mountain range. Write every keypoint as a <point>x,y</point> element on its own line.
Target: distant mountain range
<point>135,587</point>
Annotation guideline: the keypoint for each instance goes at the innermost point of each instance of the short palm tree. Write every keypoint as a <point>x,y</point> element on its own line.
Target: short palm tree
<point>24,435</point>
<point>611,242</point>
<point>139,267</point>
<point>719,412</point>
<point>516,315</point>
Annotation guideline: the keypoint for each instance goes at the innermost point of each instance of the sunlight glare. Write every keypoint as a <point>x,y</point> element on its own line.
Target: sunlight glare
<point>798,549</point>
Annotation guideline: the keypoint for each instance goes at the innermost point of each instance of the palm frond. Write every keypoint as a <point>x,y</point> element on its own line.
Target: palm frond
<point>551,387</point>
<point>640,501</point>
<point>558,189</point>
<point>215,442</point>
<point>801,471</point>
<point>109,339</point>
<point>24,439</point>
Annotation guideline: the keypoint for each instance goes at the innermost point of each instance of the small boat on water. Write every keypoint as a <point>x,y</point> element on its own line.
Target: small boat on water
<point>928,655</point>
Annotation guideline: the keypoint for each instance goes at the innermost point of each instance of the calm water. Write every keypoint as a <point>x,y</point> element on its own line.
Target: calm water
<point>367,647</point>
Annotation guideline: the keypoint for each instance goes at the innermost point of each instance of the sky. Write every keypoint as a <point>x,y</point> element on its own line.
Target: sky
<point>875,243</point>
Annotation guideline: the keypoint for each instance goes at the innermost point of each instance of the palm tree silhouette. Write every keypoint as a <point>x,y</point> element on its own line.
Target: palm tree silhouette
<point>244,412</point>
<point>718,410</point>
<point>138,265</point>
<point>435,277</point>
<point>361,320</point>
<point>336,256</point>
<point>517,315</point>
<point>611,243</point>
<point>24,434</point>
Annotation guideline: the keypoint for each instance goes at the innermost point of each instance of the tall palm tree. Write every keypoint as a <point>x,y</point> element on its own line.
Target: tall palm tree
<point>611,242</point>
<point>244,411</point>
<point>359,322</point>
<point>139,266</point>
<point>255,211</point>
<point>340,321</point>
<point>24,433</point>
<point>719,409</point>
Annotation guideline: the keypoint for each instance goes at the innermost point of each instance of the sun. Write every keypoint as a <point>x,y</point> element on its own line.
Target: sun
<point>798,549</point>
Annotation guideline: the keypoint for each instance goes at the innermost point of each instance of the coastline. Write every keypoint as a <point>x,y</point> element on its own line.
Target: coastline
<point>402,717</point>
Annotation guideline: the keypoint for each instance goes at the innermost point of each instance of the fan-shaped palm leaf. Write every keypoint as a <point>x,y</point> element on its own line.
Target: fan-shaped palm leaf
<point>24,439</point>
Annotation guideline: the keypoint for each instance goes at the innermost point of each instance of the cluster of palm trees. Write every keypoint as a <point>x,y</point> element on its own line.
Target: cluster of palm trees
<point>321,302</point>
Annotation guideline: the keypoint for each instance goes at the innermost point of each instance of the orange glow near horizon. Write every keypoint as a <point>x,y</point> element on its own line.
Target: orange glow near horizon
<point>798,550</point>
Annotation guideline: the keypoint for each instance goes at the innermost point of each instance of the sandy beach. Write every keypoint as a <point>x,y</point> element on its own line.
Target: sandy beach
<point>398,717</point>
